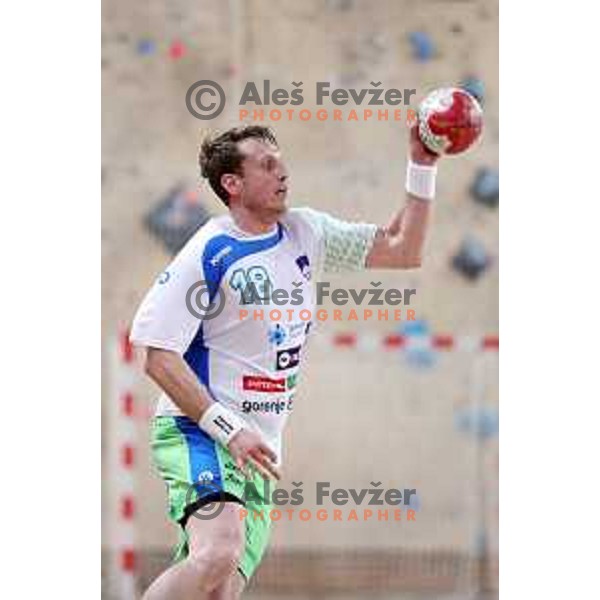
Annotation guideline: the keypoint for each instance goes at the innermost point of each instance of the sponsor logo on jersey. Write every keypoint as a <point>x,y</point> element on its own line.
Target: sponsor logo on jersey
<point>296,329</point>
<point>291,381</point>
<point>255,383</point>
<point>163,277</point>
<point>288,358</point>
<point>214,261</point>
<point>304,266</point>
<point>277,334</point>
<point>267,406</point>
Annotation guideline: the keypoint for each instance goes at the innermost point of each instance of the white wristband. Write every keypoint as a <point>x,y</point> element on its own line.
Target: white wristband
<point>420,180</point>
<point>220,423</point>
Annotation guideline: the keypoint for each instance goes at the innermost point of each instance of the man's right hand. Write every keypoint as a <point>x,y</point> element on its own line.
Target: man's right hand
<point>247,446</point>
<point>419,153</point>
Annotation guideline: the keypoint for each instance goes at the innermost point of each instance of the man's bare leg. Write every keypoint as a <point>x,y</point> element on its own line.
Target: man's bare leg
<point>216,546</point>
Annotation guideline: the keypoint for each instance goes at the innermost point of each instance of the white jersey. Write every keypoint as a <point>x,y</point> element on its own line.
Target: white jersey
<point>249,364</point>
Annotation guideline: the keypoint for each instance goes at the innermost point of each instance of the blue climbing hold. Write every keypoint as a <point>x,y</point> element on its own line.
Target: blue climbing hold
<point>146,46</point>
<point>486,187</point>
<point>475,87</point>
<point>422,46</point>
<point>472,259</point>
<point>481,422</point>
<point>418,352</point>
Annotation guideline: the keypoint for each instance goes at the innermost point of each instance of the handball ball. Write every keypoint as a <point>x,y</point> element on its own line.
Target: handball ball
<point>450,121</point>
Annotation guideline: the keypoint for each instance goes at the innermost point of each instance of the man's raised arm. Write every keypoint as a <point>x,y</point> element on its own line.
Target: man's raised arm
<point>400,244</point>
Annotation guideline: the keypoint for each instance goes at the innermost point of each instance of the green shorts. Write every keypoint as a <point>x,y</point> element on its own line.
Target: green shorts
<point>198,471</point>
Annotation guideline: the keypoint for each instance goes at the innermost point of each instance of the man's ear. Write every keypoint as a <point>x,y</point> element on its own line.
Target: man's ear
<point>232,183</point>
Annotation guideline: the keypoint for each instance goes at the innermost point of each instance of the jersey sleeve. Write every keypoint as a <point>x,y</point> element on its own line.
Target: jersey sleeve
<point>163,319</point>
<point>343,245</point>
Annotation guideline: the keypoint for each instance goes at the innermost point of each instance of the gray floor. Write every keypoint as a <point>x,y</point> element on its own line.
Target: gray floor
<point>407,596</point>
<point>350,596</point>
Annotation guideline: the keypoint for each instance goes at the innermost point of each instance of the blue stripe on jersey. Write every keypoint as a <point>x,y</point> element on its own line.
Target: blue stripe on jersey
<point>216,259</point>
<point>196,356</point>
<point>202,454</point>
<point>231,250</point>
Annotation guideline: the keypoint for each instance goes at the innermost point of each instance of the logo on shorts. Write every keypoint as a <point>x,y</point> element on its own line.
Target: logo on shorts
<point>286,359</point>
<point>206,476</point>
<point>254,383</point>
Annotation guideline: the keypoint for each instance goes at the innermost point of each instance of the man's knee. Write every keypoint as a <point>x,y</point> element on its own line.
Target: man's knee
<point>217,556</point>
<point>221,554</point>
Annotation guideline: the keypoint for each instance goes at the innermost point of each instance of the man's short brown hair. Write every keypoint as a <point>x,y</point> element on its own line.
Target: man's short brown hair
<point>220,155</point>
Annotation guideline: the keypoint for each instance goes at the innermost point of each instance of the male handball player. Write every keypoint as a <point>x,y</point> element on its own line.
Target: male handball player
<point>213,370</point>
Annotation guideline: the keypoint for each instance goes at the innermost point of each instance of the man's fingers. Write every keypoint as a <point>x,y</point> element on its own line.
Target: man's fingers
<point>266,450</point>
<point>241,465</point>
<point>258,454</point>
<point>264,465</point>
<point>262,471</point>
<point>269,460</point>
<point>260,463</point>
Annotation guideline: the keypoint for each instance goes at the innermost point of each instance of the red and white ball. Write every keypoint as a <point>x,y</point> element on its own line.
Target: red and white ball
<point>450,121</point>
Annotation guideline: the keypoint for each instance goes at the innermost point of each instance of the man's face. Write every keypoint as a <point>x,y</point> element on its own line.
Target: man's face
<point>264,178</point>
